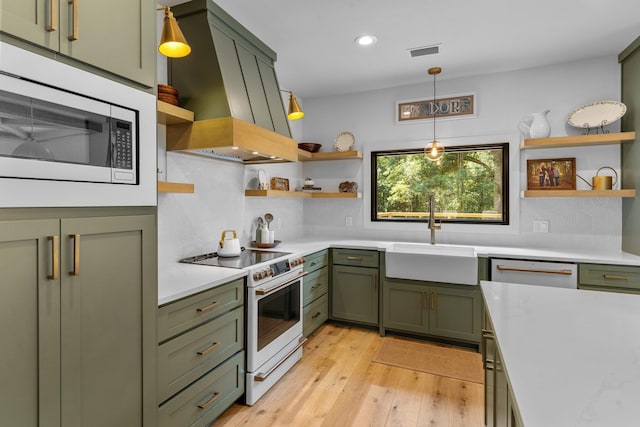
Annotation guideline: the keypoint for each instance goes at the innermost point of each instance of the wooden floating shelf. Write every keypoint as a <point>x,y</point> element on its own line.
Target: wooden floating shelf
<point>173,115</point>
<point>175,187</point>
<point>305,156</point>
<point>579,193</point>
<point>300,194</point>
<point>578,140</point>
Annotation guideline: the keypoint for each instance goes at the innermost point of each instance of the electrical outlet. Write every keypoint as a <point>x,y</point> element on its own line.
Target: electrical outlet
<point>348,221</point>
<point>540,225</point>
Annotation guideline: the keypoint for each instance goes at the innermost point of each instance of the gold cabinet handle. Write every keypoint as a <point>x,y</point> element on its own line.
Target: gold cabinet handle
<point>614,277</point>
<point>208,403</point>
<point>73,34</point>
<point>52,15</point>
<point>316,315</point>
<point>76,254</point>
<point>207,307</point>
<point>208,349</point>
<point>535,270</point>
<point>433,301</point>
<point>354,258</point>
<point>312,264</point>
<point>55,258</point>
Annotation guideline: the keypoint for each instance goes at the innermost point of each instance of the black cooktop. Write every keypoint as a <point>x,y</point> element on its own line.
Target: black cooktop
<point>247,258</point>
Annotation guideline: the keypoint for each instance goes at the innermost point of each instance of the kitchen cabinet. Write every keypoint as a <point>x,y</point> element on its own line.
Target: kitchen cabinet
<point>579,141</point>
<point>80,295</point>
<point>354,286</point>
<point>88,33</point>
<point>610,278</point>
<point>629,60</point>
<point>201,355</point>
<point>429,308</point>
<point>315,291</point>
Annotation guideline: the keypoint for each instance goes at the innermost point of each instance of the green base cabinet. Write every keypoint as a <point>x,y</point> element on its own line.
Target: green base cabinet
<point>201,355</point>
<point>609,278</point>
<point>447,311</point>
<point>354,290</point>
<point>80,295</point>
<point>315,290</point>
<point>86,33</point>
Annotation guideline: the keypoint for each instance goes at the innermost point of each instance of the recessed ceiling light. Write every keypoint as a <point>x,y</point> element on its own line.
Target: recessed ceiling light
<point>366,40</point>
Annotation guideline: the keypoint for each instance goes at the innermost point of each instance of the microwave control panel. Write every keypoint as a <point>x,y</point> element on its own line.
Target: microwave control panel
<point>122,144</point>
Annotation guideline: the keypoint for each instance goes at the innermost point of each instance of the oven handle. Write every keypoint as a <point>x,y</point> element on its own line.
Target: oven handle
<point>283,285</point>
<point>262,377</point>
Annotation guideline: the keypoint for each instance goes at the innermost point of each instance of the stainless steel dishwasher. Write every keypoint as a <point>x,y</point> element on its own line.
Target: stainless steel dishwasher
<point>540,273</point>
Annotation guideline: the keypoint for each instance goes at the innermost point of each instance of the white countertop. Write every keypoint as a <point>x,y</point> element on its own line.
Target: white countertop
<point>572,357</point>
<point>177,280</point>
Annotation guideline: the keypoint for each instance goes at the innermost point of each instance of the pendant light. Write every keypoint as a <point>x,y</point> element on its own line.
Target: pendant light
<point>434,151</point>
<point>295,111</point>
<point>172,42</point>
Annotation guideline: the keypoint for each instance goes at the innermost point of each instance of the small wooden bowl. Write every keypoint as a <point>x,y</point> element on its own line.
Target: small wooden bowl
<point>309,146</point>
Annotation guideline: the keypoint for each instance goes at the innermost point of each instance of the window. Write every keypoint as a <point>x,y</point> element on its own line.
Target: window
<point>470,184</point>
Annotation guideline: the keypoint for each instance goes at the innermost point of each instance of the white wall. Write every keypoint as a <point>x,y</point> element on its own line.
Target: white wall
<point>502,100</point>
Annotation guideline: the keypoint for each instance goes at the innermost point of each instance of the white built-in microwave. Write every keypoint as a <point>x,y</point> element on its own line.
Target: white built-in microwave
<point>69,137</point>
<point>51,134</point>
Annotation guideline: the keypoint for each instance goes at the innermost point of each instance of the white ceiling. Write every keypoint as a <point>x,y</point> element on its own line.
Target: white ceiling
<point>317,55</point>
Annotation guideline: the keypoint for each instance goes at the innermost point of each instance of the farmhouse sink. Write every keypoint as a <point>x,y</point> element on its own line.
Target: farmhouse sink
<point>433,263</point>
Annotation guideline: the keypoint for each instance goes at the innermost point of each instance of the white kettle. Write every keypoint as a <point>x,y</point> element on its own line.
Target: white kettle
<point>229,246</point>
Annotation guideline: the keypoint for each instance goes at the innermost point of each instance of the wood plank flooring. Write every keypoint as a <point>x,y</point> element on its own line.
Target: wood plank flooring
<point>337,384</point>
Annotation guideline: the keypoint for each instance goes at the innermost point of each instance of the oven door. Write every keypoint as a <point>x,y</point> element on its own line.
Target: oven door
<point>274,319</point>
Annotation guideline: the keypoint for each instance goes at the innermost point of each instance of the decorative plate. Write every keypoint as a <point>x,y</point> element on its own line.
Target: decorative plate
<point>344,141</point>
<point>262,179</point>
<point>600,113</point>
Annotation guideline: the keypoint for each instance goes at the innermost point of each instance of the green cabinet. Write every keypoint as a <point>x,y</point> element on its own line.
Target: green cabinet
<point>447,311</point>
<point>81,296</point>
<point>610,278</point>
<point>315,288</point>
<point>354,288</point>
<point>116,36</point>
<point>200,355</point>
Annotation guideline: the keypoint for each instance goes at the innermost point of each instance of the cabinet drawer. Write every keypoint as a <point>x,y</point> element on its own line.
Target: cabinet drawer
<point>184,359</point>
<point>316,260</point>
<point>315,314</point>
<point>206,399</point>
<point>356,257</point>
<point>614,276</point>
<point>314,285</point>
<point>182,315</point>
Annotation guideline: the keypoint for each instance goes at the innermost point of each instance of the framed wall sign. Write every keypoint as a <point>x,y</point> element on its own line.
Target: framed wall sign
<point>551,174</point>
<point>450,106</point>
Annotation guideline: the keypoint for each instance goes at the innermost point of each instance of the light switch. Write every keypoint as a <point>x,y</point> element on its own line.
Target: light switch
<point>540,225</point>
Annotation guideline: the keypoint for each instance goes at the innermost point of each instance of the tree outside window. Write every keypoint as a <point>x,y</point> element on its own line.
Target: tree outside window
<point>470,184</point>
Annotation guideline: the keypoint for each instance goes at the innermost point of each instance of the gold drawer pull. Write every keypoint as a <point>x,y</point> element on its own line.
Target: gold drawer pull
<point>52,15</point>
<point>76,254</point>
<point>535,270</point>
<point>55,258</point>
<point>614,277</point>
<point>354,258</point>
<point>208,349</point>
<point>73,34</point>
<point>207,308</point>
<point>313,263</point>
<point>316,315</point>
<point>208,403</point>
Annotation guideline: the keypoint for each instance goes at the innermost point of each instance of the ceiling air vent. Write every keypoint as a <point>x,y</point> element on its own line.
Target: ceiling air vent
<point>422,51</point>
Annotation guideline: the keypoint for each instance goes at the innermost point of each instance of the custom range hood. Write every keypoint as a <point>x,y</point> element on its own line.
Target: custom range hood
<point>229,82</point>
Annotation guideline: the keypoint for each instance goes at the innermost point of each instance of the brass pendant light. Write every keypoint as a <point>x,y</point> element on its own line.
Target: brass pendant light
<point>434,151</point>
<point>295,111</point>
<point>173,44</point>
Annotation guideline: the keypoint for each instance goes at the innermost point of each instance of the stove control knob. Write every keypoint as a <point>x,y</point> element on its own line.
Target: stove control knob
<point>256,276</point>
<point>270,272</point>
<point>264,274</point>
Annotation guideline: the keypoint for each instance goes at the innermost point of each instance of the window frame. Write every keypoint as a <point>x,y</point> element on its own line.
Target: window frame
<point>504,146</point>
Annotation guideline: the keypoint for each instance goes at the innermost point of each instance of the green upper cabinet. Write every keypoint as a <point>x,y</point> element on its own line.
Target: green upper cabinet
<point>117,36</point>
<point>33,21</point>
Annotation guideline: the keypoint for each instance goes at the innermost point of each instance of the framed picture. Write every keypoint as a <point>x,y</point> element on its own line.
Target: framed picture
<point>551,174</point>
<point>278,183</point>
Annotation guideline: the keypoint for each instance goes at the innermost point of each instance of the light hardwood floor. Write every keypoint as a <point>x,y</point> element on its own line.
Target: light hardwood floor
<point>337,384</point>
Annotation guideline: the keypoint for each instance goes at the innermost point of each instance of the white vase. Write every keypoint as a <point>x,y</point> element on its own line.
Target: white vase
<point>535,125</point>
